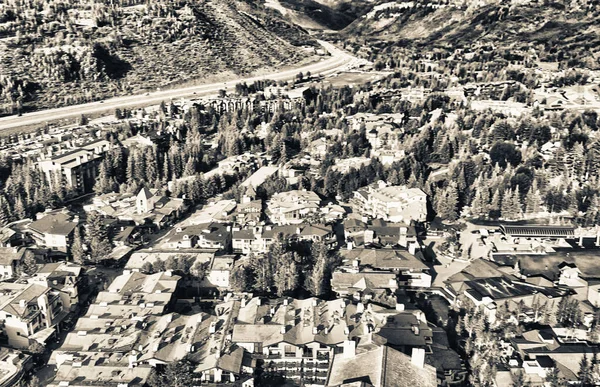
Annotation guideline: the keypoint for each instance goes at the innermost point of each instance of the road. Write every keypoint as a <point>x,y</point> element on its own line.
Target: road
<point>339,61</point>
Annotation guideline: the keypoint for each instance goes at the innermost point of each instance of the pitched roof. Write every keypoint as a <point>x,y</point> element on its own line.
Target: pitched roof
<point>55,224</point>
<point>384,258</point>
<point>144,193</point>
<point>382,367</point>
<point>10,254</point>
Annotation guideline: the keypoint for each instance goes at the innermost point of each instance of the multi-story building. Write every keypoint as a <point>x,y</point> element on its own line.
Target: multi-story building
<point>63,277</point>
<point>292,207</point>
<point>10,261</point>
<point>392,203</point>
<point>29,312</point>
<point>53,231</point>
<point>78,167</point>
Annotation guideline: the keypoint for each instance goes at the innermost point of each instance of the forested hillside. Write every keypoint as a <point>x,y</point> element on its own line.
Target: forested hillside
<point>553,32</point>
<point>56,53</point>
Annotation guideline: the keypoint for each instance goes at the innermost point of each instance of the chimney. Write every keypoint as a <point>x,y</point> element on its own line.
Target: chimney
<point>22,303</point>
<point>258,301</point>
<point>418,357</point>
<point>349,349</point>
<point>286,301</point>
<point>399,307</point>
<point>416,330</point>
<point>314,302</point>
<point>412,248</point>
<point>282,330</point>
<point>168,273</point>
<point>315,330</point>
<point>350,244</point>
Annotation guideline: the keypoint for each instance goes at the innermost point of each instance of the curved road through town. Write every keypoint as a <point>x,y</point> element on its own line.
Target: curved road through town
<point>339,61</point>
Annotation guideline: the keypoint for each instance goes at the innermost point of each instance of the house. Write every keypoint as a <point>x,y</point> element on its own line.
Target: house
<point>292,207</point>
<point>392,203</point>
<point>491,293</point>
<point>78,375</point>
<point>135,295</point>
<point>220,271</point>
<point>412,271</point>
<point>62,277</point>
<point>11,259</point>
<point>257,239</point>
<point>300,336</point>
<point>13,364</point>
<point>54,231</point>
<point>365,283</point>
<point>248,212</point>
<point>8,237</point>
<point>30,312</point>
<point>319,147</point>
<point>381,366</point>
<point>161,210</point>
<point>389,234</point>
<point>214,236</point>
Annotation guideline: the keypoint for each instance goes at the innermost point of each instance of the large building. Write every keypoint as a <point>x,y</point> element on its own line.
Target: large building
<point>78,167</point>
<point>29,312</point>
<point>292,207</point>
<point>53,231</point>
<point>392,203</point>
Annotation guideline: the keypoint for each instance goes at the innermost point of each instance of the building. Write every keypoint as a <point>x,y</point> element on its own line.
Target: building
<point>160,210</point>
<point>299,336</point>
<point>13,364</point>
<point>63,277</point>
<point>257,239</point>
<point>11,259</point>
<point>392,203</point>
<point>30,312</point>
<point>220,271</point>
<point>411,270</point>
<point>381,366</point>
<point>213,235</point>
<point>54,231</point>
<point>78,167</point>
<point>365,284</point>
<point>292,207</point>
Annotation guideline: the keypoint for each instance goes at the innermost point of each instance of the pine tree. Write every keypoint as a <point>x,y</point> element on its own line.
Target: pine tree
<point>533,200</point>
<point>97,237</point>
<point>5,214</point>
<point>584,371</point>
<point>77,250</point>
<point>262,268</point>
<point>447,205</point>
<point>29,263</point>
<point>316,279</point>
<point>103,181</point>
<point>286,274</point>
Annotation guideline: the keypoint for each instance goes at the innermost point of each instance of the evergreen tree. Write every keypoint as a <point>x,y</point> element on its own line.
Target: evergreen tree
<point>29,263</point>
<point>584,375</point>
<point>447,205</point>
<point>239,280</point>
<point>97,237</point>
<point>533,201</point>
<point>262,268</point>
<point>77,250</point>
<point>286,274</point>
<point>553,378</point>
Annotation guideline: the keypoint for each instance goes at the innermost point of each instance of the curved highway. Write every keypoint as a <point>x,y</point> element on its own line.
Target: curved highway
<point>338,61</point>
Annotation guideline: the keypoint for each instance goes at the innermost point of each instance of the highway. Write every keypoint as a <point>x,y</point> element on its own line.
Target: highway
<point>338,61</point>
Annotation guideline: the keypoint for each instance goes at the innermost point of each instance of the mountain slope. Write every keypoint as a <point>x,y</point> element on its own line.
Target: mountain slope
<point>55,55</point>
<point>556,33</point>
